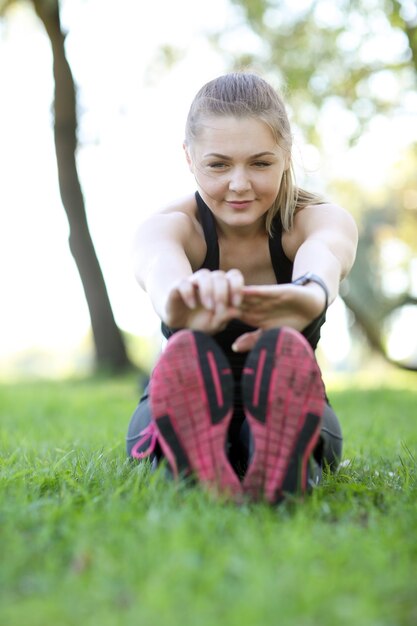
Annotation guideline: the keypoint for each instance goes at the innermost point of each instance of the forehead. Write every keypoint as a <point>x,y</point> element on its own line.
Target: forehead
<point>224,134</point>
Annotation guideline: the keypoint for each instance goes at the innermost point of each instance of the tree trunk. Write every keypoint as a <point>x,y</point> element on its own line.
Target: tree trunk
<point>109,345</point>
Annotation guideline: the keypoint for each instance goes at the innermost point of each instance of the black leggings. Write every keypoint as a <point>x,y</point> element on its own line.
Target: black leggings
<point>327,452</point>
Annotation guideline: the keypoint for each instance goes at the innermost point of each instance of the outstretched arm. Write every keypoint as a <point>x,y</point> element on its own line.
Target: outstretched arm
<point>168,249</point>
<point>323,241</point>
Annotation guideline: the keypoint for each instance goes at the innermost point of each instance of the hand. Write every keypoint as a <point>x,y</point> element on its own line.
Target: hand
<point>205,301</point>
<point>270,306</point>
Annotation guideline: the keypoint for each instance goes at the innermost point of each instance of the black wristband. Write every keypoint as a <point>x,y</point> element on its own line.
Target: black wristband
<point>313,278</point>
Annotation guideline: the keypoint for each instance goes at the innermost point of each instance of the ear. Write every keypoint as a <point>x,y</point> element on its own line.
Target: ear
<point>188,156</point>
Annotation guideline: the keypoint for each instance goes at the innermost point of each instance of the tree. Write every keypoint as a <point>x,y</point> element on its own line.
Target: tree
<point>110,349</point>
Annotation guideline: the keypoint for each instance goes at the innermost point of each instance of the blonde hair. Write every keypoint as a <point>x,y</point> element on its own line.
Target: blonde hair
<point>244,94</point>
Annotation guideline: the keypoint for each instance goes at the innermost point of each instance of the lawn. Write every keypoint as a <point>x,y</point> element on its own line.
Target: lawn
<point>88,538</point>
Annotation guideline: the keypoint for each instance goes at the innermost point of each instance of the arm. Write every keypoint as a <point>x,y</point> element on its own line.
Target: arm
<point>322,241</point>
<point>169,247</point>
<point>165,250</point>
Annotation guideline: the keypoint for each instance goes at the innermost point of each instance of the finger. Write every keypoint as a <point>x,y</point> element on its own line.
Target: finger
<point>257,290</point>
<point>247,341</point>
<point>263,292</point>
<point>204,285</point>
<point>236,282</point>
<point>187,292</point>
<point>220,289</point>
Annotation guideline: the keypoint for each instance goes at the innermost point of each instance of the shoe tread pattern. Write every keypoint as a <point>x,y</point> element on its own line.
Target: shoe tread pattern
<point>283,400</point>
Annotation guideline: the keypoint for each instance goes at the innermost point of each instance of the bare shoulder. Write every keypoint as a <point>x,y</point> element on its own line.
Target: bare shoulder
<point>325,221</point>
<point>186,205</point>
<point>175,224</point>
<point>323,216</point>
<point>177,218</point>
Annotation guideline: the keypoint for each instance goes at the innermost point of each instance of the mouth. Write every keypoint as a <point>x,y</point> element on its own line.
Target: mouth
<point>239,204</point>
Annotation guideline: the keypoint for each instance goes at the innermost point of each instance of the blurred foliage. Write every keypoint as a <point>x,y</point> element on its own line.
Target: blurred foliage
<point>382,283</point>
<point>322,51</point>
<point>164,60</point>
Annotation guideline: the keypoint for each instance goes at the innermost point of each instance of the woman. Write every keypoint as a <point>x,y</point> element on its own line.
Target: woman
<point>245,269</point>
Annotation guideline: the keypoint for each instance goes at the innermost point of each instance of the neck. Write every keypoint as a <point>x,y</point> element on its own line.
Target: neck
<point>239,233</point>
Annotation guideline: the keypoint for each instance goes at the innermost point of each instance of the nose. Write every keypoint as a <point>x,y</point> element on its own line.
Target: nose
<point>239,181</point>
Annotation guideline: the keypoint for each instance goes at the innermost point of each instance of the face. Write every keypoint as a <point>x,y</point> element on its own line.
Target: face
<point>238,167</point>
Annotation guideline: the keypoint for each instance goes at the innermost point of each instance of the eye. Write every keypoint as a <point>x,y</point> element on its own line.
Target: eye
<point>262,164</point>
<point>218,165</point>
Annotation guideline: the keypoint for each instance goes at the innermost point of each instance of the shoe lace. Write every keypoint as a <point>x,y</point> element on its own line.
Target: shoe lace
<point>147,434</point>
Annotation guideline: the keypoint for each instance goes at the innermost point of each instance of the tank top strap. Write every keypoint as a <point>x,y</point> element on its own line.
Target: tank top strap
<point>212,259</point>
<point>280,262</point>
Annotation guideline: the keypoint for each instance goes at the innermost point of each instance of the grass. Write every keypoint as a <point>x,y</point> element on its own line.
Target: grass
<point>88,538</point>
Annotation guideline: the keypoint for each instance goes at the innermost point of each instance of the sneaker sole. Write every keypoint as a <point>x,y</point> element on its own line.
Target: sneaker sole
<point>283,398</point>
<point>191,398</point>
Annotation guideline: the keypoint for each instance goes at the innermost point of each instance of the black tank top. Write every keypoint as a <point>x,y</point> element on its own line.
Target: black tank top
<point>282,267</point>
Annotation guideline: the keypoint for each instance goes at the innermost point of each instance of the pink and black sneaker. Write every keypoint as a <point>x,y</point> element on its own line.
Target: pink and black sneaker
<point>283,397</point>
<point>191,399</point>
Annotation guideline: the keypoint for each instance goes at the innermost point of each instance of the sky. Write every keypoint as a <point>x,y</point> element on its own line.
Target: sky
<point>130,161</point>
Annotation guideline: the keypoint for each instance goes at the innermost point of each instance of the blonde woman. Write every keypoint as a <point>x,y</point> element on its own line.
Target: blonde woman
<point>241,273</point>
